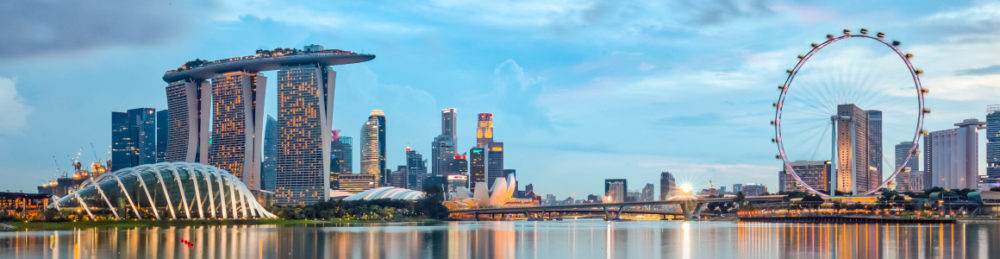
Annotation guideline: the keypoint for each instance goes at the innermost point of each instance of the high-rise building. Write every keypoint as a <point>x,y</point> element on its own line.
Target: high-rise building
<point>416,169</point>
<point>400,177</point>
<point>648,193</point>
<point>954,156</point>
<point>852,149</point>
<point>370,147</point>
<point>615,190</point>
<point>494,162</point>
<point>738,188</point>
<point>341,158</point>
<point>484,130</point>
<point>379,116</point>
<point>237,122</point>
<point>459,165</point>
<point>133,138</point>
<point>305,112</point>
<point>993,141</point>
<point>874,148</point>
<point>122,143</point>
<point>268,167</point>
<point>477,167</point>
<point>162,135</point>
<point>445,145</point>
<point>189,114</point>
<point>442,151</point>
<point>910,177</point>
<point>667,185</point>
<point>813,173</point>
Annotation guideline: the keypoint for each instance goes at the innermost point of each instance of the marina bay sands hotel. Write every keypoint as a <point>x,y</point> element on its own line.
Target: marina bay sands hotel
<point>216,108</point>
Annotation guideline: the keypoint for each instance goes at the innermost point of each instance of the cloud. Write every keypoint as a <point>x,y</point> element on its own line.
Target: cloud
<point>990,70</point>
<point>13,112</point>
<point>313,15</point>
<point>44,26</point>
<point>717,12</point>
<point>977,19</point>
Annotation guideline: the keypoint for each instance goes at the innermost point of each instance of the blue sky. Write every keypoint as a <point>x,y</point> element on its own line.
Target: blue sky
<point>580,90</point>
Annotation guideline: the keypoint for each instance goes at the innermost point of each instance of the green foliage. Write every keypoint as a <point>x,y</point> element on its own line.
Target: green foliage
<point>371,210</point>
<point>430,206</point>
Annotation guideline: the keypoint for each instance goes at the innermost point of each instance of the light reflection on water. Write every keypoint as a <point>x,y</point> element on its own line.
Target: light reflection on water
<point>520,239</point>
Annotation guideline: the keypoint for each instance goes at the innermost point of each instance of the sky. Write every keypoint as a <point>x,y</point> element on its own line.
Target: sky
<point>580,90</point>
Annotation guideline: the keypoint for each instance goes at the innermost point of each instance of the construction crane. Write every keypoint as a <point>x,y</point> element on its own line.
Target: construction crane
<point>56,161</point>
<point>97,160</point>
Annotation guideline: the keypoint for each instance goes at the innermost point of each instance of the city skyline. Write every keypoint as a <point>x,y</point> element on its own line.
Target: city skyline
<point>555,114</point>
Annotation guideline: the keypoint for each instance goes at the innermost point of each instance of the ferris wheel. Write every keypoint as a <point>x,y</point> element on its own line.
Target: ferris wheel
<point>868,72</point>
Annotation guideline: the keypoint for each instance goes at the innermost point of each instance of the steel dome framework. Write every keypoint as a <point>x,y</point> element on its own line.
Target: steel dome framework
<point>173,190</point>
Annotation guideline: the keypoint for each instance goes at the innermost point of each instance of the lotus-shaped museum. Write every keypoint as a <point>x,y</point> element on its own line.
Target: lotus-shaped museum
<point>168,190</point>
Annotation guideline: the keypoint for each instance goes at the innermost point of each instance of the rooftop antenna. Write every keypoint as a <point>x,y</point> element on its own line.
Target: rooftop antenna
<point>56,161</point>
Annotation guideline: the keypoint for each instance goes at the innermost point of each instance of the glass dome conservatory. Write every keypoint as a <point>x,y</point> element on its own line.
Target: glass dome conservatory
<point>170,190</point>
<point>391,193</point>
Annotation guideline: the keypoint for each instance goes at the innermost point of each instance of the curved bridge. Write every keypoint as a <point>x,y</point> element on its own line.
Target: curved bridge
<point>690,208</point>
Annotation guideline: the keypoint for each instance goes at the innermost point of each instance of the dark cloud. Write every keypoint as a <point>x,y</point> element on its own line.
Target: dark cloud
<point>990,70</point>
<point>36,27</point>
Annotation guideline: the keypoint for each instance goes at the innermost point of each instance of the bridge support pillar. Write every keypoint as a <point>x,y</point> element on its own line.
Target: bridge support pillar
<point>692,209</point>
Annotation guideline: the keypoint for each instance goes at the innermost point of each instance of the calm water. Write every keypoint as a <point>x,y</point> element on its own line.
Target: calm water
<point>520,239</point>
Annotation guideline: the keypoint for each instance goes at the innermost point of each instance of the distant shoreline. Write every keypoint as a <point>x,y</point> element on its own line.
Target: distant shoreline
<point>69,225</point>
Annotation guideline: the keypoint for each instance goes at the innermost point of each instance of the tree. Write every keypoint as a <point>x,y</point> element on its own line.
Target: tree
<point>430,205</point>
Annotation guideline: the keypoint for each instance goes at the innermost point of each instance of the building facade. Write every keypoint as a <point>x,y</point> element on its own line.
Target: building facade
<point>162,135</point>
<point>813,173</point>
<point>305,112</point>
<point>477,167</point>
<point>341,159</point>
<point>494,162</point>
<point>615,190</point>
<point>852,149</point>
<point>667,185</point>
<point>993,141</point>
<point>909,178</point>
<point>133,138</point>
<point>371,148</point>
<point>269,163</point>
<point>237,123</point>
<point>416,170</point>
<point>874,148</point>
<point>444,146</point>
<point>954,156</point>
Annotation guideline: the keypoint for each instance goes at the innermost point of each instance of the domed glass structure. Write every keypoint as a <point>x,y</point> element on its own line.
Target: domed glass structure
<point>391,193</point>
<point>170,190</point>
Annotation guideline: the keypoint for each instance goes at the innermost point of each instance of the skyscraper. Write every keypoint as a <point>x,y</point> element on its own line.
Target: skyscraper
<point>993,141</point>
<point>441,152</point>
<point>341,158</point>
<point>268,168</point>
<point>122,143</point>
<point>910,178</point>
<point>615,190</point>
<point>371,148</point>
<point>852,149</point>
<point>416,170</point>
<point>380,116</point>
<point>647,193</point>
<point>484,130</point>
<point>954,156</point>
<point>667,185</point>
<point>874,148</point>
<point>162,135</point>
<point>494,162</point>
<point>237,122</point>
<point>189,103</point>
<point>133,138</point>
<point>305,111</point>
<point>477,167</point>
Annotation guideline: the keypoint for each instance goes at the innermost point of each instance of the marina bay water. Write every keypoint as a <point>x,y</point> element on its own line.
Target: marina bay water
<point>584,238</point>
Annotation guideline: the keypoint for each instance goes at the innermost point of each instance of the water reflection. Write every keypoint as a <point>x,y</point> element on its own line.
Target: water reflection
<point>521,239</point>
